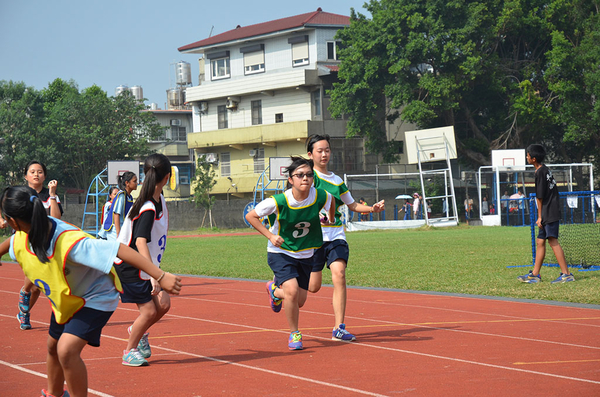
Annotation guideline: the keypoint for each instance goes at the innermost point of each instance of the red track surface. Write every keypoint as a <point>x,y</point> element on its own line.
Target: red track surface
<point>221,338</point>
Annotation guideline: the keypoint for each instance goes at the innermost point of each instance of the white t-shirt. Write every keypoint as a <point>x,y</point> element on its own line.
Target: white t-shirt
<point>269,206</point>
<point>331,233</point>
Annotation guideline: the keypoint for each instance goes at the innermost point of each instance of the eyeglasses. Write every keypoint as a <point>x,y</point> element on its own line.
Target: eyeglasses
<point>301,176</point>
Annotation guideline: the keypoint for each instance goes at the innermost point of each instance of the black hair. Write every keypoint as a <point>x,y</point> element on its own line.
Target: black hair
<point>124,178</point>
<point>538,152</point>
<point>311,140</point>
<point>156,167</point>
<point>32,162</point>
<point>297,162</point>
<point>23,203</point>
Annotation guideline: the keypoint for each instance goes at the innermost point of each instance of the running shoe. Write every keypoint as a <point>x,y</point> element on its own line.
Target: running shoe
<point>530,278</point>
<point>47,394</point>
<point>143,345</point>
<point>275,302</point>
<point>23,320</point>
<point>295,341</point>
<point>133,358</point>
<point>340,333</point>
<point>563,278</point>
<point>24,301</point>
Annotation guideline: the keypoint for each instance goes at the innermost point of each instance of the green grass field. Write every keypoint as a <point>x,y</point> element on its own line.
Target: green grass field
<point>463,259</point>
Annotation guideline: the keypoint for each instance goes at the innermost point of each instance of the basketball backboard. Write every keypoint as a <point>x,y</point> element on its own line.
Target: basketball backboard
<point>277,167</point>
<point>117,168</point>
<point>430,144</point>
<point>509,159</point>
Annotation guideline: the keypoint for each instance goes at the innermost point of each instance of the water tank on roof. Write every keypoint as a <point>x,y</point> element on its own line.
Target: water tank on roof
<point>120,89</point>
<point>137,93</point>
<point>183,73</point>
<point>153,106</point>
<point>174,98</point>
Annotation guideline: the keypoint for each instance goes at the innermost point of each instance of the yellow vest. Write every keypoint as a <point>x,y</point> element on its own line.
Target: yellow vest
<point>50,277</point>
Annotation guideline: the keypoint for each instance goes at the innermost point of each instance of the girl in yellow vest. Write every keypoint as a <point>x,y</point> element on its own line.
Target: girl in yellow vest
<point>75,272</point>
<point>145,230</point>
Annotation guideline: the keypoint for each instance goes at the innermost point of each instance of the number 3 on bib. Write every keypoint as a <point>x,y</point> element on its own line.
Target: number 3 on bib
<point>303,229</point>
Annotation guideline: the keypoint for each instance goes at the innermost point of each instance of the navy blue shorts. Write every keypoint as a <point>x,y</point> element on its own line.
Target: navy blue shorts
<point>86,324</point>
<point>286,268</point>
<point>330,252</point>
<point>549,230</point>
<point>138,292</point>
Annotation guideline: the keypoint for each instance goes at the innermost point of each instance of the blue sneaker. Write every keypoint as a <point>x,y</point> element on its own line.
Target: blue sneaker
<point>24,301</point>
<point>275,302</point>
<point>47,394</point>
<point>133,358</point>
<point>563,278</point>
<point>143,345</point>
<point>530,278</point>
<point>295,341</point>
<point>23,320</point>
<point>341,334</point>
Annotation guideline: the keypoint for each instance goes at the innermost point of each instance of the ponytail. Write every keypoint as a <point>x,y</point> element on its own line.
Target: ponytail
<point>156,167</point>
<point>22,203</point>
<point>124,178</point>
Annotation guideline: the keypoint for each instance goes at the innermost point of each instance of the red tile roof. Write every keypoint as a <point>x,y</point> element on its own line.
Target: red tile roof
<point>309,19</point>
<point>333,68</point>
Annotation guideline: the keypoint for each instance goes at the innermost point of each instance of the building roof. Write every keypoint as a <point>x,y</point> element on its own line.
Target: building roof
<point>315,18</point>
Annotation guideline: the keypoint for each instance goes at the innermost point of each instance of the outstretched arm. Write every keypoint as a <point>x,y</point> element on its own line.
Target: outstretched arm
<point>169,282</point>
<point>357,207</point>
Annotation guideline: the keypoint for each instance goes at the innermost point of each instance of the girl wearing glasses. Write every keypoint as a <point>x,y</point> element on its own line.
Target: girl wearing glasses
<point>294,235</point>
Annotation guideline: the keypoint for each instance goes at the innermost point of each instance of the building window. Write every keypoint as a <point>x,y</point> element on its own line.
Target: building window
<point>185,174</point>
<point>178,133</point>
<point>225,164</point>
<point>259,161</point>
<point>332,49</point>
<point>317,102</point>
<point>254,58</point>
<point>300,53</point>
<point>220,68</point>
<point>279,118</point>
<point>222,115</point>
<point>256,112</point>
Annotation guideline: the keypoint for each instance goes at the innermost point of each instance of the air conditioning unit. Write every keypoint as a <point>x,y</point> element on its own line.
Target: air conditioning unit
<point>175,122</point>
<point>231,104</point>
<point>211,157</point>
<point>203,107</point>
<point>252,152</point>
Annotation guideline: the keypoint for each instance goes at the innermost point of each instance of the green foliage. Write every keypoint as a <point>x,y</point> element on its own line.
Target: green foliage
<point>504,73</point>
<point>203,184</point>
<point>74,133</point>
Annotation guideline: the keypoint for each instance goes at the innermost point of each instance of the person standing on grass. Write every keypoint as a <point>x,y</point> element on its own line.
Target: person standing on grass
<point>35,175</point>
<point>122,202</point>
<point>334,253</point>
<point>145,230</point>
<point>294,235</point>
<point>107,220</point>
<point>416,206</point>
<point>75,271</point>
<point>546,195</point>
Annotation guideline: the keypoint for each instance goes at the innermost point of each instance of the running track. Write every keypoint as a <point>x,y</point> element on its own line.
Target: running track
<point>221,339</point>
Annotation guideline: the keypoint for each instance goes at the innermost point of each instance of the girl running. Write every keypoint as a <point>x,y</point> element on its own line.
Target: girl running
<point>334,253</point>
<point>107,219</point>
<point>35,175</point>
<point>294,235</point>
<point>122,203</point>
<point>75,271</point>
<point>145,230</point>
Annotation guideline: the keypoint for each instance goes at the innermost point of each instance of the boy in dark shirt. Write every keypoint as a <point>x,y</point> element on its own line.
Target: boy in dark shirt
<point>548,219</point>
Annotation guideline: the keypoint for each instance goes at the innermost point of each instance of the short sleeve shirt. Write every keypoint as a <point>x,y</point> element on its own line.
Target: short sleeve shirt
<point>547,191</point>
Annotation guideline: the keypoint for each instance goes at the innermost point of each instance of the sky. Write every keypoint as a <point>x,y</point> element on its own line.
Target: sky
<point>125,42</point>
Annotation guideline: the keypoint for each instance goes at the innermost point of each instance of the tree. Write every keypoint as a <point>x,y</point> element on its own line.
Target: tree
<point>504,73</point>
<point>203,184</point>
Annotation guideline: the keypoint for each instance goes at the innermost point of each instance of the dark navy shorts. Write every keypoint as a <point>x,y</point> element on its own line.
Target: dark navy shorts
<point>286,268</point>
<point>549,230</point>
<point>137,292</point>
<point>330,252</point>
<point>86,324</point>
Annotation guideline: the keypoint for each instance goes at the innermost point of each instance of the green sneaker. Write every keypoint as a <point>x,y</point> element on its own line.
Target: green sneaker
<point>133,358</point>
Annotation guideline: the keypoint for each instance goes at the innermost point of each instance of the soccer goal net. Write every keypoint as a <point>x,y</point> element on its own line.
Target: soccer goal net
<point>579,234</point>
